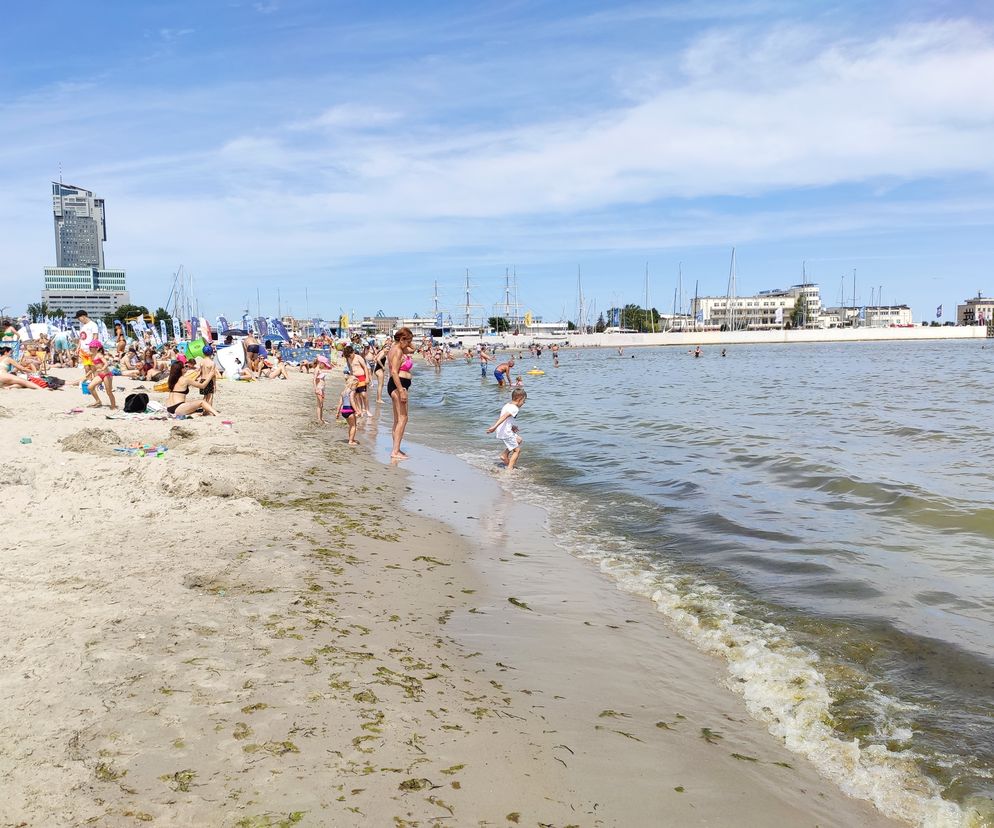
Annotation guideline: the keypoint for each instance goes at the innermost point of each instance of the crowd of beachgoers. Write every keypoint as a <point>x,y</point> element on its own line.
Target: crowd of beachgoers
<point>372,368</point>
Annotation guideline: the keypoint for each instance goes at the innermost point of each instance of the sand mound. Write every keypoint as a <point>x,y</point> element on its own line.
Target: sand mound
<point>182,433</point>
<point>91,441</point>
<point>17,476</point>
<point>5,412</point>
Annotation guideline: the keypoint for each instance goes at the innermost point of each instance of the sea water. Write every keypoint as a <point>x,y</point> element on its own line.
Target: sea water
<point>820,516</point>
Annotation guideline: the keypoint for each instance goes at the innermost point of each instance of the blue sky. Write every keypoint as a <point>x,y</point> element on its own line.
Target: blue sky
<point>362,151</point>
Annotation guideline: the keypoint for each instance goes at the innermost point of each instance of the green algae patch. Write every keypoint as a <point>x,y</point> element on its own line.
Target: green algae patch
<point>181,780</point>
<point>710,736</point>
<point>415,785</point>
<point>520,604</point>
<point>248,710</point>
<point>107,773</point>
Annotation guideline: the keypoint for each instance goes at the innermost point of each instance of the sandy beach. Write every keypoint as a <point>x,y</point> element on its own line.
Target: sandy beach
<point>265,626</point>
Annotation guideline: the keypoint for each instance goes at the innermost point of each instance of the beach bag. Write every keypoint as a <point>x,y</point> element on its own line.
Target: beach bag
<point>38,381</point>
<point>54,382</point>
<point>135,403</point>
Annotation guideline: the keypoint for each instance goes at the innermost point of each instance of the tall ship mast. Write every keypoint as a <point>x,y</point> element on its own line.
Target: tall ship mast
<point>510,308</point>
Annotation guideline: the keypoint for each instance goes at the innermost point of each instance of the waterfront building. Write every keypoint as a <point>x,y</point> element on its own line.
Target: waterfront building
<point>97,291</point>
<point>976,311</point>
<point>79,280</point>
<point>869,316</point>
<point>765,310</point>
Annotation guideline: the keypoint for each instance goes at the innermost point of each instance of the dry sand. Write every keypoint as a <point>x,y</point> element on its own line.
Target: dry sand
<point>252,630</point>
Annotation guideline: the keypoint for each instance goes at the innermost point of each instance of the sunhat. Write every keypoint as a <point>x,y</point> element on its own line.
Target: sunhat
<point>324,361</point>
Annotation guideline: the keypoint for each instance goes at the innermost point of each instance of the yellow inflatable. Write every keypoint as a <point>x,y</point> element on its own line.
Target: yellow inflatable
<point>535,372</point>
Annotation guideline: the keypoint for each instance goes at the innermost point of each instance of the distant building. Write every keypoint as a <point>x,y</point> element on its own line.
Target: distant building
<point>767,309</point>
<point>96,291</point>
<point>869,316</point>
<point>80,227</point>
<point>976,311</point>
<point>79,280</point>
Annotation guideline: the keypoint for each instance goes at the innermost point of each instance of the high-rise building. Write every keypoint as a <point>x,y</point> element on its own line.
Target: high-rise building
<point>80,227</point>
<point>79,280</point>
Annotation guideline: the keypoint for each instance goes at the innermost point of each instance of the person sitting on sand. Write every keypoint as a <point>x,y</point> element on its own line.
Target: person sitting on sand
<point>180,382</point>
<point>507,432</point>
<point>100,373</point>
<point>9,368</point>
<point>131,364</point>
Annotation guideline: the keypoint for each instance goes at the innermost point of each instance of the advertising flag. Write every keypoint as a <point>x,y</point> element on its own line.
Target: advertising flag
<point>162,329</point>
<point>938,312</point>
<point>778,316</point>
<point>700,315</point>
<point>280,328</point>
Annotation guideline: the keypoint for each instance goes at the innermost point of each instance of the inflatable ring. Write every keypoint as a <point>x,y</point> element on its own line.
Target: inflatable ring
<point>535,372</point>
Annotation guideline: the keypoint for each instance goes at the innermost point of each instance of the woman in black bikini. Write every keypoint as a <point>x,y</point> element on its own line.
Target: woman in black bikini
<point>399,363</point>
<point>179,386</point>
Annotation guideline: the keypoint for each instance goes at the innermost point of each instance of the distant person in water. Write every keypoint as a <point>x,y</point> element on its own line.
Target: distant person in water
<point>503,372</point>
<point>723,352</point>
<point>484,359</point>
<point>507,431</point>
<point>697,352</point>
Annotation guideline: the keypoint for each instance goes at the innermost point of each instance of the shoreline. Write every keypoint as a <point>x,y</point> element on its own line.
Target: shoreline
<point>615,679</point>
<point>918,333</point>
<point>259,628</point>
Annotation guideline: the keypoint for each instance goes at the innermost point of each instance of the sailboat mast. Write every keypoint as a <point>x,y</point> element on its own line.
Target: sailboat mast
<point>730,295</point>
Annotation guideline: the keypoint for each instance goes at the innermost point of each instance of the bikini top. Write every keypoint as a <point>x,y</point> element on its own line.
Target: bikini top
<point>407,364</point>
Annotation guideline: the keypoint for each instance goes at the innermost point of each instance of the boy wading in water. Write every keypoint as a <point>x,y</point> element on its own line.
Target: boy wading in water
<point>507,432</point>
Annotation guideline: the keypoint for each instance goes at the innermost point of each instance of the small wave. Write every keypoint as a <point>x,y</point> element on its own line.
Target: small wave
<point>782,682</point>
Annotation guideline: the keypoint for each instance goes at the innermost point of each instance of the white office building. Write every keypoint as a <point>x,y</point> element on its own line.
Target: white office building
<point>767,309</point>
<point>97,291</point>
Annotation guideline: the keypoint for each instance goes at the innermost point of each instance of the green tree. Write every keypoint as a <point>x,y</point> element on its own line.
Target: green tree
<point>161,313</point>
<point>570,326</point>
<point>38,311</point>
<point>800,315</point>
<point>601,324</point>
<point>124,313</point>
<point>499,324</point>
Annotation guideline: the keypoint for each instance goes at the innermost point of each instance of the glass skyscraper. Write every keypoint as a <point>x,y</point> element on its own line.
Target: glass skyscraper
<point>80,229</point>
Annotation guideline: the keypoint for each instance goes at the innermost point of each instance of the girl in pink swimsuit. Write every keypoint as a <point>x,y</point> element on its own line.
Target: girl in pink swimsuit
<point>105,377</point>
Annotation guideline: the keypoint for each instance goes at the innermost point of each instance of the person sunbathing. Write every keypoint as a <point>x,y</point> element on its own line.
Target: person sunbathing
<point>9,368</point>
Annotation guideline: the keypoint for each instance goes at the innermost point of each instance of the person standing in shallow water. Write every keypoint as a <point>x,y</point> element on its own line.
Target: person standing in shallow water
<point>399,364</point>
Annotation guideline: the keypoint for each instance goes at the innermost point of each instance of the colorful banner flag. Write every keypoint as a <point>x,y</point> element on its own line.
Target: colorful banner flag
<point>280,329</point>
<point>938,312</point>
